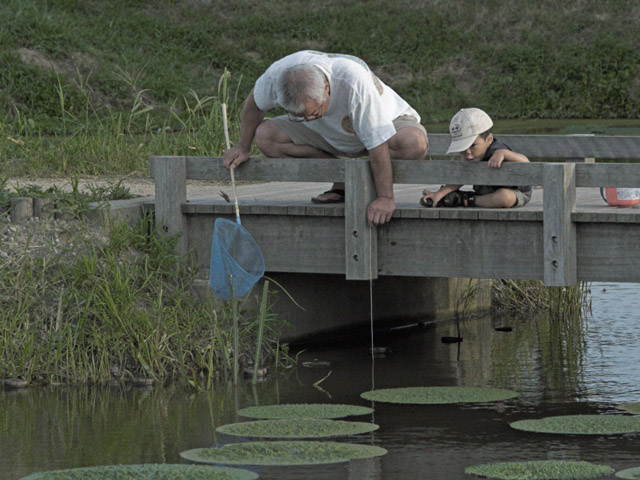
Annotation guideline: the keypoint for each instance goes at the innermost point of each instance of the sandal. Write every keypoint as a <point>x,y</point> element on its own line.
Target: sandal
<point>337,191</point>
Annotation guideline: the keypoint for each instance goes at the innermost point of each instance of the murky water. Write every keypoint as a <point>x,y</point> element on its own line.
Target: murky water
<point>556,367</point>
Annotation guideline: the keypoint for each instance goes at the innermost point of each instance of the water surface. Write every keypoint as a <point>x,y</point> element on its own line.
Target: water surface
<point>557,367</point>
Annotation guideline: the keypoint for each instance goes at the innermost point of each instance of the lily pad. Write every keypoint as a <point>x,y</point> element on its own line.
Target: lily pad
<point>296,428</point>
<point>438,395</point>
<point>629,473</point>
<point>630,407</point>
<point>283,453</point>
<point>147,471</point>
<point>540,470</point>
<point>304,410</point>
<point>581,424</point>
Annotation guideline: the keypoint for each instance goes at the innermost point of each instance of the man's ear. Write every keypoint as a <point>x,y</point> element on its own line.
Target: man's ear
<point>490,137</point>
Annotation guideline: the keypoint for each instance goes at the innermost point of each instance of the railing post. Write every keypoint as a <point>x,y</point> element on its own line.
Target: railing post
<point>560,255</point>
<point>170,175</point>
<point>361,240</point>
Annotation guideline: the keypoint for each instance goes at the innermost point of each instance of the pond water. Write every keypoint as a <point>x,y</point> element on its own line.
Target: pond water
<point>557,367</point>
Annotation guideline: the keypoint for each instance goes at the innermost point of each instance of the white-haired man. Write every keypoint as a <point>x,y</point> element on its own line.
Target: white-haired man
<point>336,108</point>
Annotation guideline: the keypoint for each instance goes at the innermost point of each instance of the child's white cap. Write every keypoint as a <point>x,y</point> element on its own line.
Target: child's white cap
<point>465,127</point>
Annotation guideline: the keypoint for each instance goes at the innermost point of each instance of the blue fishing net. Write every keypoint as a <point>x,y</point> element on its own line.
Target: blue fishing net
<point>233,252</point>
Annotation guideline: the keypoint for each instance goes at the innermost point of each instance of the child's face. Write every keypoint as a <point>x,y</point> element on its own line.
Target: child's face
<point>478,149</point>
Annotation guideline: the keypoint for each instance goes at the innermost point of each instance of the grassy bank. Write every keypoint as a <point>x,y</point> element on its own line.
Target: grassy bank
<point>90,305</point>
<point>92,86</point>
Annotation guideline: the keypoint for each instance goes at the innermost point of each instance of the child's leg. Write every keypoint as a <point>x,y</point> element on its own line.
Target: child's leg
<point>501,198</point>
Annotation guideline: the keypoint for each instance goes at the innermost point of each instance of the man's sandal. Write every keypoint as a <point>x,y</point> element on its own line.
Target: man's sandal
<point>337,191</point>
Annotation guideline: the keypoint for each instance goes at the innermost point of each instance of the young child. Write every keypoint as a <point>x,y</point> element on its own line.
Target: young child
<point>471,135</point>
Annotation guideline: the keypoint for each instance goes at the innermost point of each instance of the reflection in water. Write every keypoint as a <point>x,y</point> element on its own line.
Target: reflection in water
<point>557,367</point>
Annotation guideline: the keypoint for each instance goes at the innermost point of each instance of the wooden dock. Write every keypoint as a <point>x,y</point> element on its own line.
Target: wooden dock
<point>325,255</point>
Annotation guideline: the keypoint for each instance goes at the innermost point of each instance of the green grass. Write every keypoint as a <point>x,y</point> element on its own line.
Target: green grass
<point>91,86</point>
<point>116,307</point>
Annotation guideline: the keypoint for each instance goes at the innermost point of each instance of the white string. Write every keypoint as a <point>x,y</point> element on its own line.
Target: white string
<point>373,382</point>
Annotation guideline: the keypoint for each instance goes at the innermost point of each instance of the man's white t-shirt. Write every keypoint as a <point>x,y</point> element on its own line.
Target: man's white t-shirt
<point>361,109</point>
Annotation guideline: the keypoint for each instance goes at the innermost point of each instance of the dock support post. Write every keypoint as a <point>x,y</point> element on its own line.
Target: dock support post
<point>361,240</point>
<point>560,254</point>
<point>170,174</point>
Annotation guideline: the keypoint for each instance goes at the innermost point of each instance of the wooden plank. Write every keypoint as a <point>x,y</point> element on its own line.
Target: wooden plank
<point>457,171</point>
<point>462,248</point>
<point>263,169</point>
<point>557,146</point>
<point>608,252</point>
<point>361,251</point>
<point>608,174</point>
<point>559,231</point>
<point>171,193</point>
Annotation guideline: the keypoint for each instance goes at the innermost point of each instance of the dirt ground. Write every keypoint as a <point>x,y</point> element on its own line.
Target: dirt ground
<point>138,186</point>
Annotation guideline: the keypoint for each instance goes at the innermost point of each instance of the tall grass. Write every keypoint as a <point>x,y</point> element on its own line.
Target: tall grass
<point>95,86</point>
<point>117,308</point>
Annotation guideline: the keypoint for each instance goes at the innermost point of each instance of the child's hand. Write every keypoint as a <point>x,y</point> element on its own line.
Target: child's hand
<point>496,159</point>
<point>429,198</point>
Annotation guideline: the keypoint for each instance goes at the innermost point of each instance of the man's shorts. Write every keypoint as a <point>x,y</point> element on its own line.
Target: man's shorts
<point>522,198</point>
<point>301,135</point>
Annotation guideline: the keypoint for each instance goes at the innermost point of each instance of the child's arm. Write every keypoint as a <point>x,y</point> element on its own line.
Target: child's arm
<point>437,196</point>
<point>504,155</point>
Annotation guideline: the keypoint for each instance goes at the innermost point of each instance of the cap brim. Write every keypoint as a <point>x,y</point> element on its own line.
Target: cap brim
<point>461,144</point>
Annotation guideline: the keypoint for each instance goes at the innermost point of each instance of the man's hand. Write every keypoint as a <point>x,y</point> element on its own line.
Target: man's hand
<point>380,211</point>
<point>234,157</point>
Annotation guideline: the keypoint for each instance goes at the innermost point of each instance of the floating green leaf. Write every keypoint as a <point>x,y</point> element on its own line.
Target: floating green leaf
<point>296,428</point>
<point>282,453</point>
<point>438,395</point>
<point>540,470</point>
<point>581,424</point>
<point>630,407</point>
<point>304,410</point>
<point>146,472</point>
<point>629,473</point>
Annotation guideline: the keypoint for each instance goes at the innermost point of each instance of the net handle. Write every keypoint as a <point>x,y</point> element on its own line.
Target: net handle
<point>232,169</point>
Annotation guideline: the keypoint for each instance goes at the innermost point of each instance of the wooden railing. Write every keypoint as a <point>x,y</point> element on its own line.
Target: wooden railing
<point>559,182</point>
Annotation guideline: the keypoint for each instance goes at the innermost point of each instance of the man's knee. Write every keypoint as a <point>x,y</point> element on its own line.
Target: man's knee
<point>266,135</point>
<point>409,144</point>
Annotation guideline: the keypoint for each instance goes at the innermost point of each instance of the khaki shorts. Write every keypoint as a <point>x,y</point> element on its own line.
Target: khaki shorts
<point>521,198</point>
<point>301,135</point>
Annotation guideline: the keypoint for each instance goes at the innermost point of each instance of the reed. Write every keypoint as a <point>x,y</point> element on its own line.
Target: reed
<point>117,308</point>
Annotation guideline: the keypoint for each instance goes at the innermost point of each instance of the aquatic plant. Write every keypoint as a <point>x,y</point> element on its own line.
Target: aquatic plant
<point>581,424</point>
<point>438,395</point>
<point>296,428</point>
<point>629,473</point>
<point>304,410</point>
<point>630,407</point>
<point>148,471</point>
<point>540,470</point>
<point>283,453</point>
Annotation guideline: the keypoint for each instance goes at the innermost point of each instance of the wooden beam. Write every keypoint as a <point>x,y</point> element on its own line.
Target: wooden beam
<point>560,262</point>
<point>171,193</point>
<point>361,245</point>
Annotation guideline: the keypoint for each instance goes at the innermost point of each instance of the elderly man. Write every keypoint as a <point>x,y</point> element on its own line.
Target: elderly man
<point>336,108</point>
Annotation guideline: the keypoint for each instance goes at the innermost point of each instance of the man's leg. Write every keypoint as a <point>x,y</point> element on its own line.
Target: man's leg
<point>409,143</point>
<point>275,143</point>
